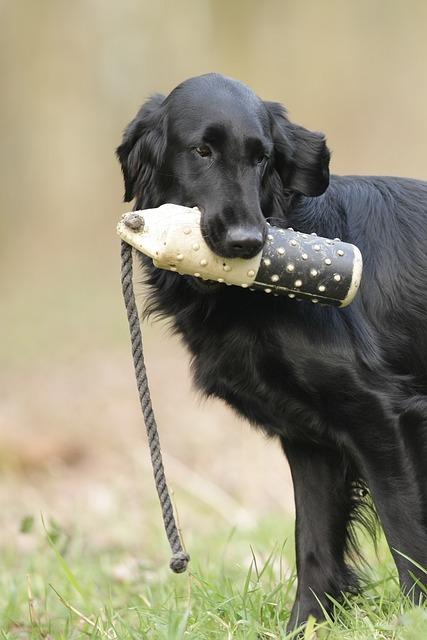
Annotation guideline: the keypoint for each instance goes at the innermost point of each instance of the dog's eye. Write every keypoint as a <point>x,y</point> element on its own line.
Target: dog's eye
<point>204,151</point>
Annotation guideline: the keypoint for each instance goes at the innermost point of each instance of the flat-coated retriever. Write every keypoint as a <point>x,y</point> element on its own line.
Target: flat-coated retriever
<point>345,391</point>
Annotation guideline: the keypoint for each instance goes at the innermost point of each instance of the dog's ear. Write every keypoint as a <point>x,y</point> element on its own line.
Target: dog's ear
<point>301,157</point>
<point>143,148</point>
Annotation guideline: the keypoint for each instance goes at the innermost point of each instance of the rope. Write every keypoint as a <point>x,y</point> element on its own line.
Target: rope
<point>180,558</point>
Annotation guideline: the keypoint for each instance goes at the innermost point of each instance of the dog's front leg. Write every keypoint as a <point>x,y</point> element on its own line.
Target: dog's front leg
<point>323,501</point>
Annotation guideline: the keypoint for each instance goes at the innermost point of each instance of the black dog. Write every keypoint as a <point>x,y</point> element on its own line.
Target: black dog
<point>343,390</point>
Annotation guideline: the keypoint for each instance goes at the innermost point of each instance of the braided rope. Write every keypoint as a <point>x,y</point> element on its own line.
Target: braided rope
<point>180,558</point>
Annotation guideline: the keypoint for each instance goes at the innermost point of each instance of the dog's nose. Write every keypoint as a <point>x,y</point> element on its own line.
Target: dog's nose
<point>241,242</point>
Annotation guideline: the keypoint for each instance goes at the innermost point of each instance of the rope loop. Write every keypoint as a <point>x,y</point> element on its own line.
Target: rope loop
<point>180,558</point>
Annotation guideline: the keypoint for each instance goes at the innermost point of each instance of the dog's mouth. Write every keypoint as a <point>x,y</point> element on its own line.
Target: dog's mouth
<point>199,285</point>
<point>203,286</point>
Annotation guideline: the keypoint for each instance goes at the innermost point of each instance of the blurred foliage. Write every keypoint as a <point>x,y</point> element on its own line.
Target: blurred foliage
<point>74,73</point>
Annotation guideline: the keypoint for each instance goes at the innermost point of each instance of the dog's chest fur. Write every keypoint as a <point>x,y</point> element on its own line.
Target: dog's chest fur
<point>272,373</point>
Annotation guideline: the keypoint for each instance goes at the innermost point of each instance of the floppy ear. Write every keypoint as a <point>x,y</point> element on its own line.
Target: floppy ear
<point>301,156</point>
<point>143,147</point>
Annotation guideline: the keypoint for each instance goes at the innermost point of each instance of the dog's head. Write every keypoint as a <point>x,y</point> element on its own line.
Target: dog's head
<point>212,143</point>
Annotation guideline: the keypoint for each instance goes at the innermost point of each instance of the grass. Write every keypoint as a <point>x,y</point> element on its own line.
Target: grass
<point>240,585</point>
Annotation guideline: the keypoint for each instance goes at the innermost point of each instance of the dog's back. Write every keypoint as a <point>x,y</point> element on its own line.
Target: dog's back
<point>386,218</point>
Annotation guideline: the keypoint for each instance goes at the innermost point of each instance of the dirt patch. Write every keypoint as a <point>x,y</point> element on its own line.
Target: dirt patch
<point>73,446</point>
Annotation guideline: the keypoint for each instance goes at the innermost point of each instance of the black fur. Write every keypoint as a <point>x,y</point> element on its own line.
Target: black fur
<point>345,391</point>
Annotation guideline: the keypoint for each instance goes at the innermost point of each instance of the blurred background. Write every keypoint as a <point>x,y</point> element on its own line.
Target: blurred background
<point>72,442</point>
